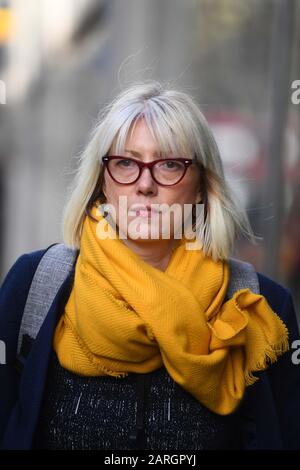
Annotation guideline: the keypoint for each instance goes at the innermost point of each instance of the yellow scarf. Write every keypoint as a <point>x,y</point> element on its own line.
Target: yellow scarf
<point>124,315</point>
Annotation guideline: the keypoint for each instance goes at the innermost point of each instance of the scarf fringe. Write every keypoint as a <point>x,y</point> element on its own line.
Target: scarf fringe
<point>99,368</point>
<point>270,356</point>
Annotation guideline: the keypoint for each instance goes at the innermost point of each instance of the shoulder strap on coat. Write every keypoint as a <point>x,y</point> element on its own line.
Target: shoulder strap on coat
<point>242,275</point>
<point>54,268</point>
<point>51,272</point>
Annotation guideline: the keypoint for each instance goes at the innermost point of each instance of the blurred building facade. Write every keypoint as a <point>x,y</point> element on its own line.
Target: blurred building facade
<point>62,61</point>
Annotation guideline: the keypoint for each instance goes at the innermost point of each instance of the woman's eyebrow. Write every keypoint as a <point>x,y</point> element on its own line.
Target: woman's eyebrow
<point>134,152</point>
<point>138,155</point>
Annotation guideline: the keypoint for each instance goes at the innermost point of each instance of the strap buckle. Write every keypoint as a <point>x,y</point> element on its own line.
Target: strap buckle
<point>26,345</point>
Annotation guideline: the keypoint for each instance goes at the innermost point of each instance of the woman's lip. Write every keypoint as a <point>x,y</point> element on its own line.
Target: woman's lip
<point>144,212</point>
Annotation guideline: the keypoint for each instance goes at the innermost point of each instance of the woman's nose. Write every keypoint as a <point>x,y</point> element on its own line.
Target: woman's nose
<point>146,183</point>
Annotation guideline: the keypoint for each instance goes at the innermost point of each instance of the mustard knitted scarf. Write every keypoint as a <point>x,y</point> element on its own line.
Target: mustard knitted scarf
<point>123,315</point>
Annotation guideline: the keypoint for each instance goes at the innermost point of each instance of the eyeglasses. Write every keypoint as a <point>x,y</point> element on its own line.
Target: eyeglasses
<point>165,171</point>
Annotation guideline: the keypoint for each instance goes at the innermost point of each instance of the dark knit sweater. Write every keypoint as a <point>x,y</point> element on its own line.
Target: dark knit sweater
<point>147,411</point>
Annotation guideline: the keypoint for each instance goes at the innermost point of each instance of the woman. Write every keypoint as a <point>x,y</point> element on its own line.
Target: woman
<point>143,346</point>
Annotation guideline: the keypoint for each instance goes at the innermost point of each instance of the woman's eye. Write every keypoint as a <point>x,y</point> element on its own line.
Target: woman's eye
<point>125,163</point>
<point>171,165</point>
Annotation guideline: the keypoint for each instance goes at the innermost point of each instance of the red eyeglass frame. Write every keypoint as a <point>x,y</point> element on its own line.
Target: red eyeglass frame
<point>187,162</point>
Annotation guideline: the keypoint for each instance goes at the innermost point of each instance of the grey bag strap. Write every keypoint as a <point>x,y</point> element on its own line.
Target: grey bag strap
<point>242,275</point>
<point>57,263</point>
<point>52,270</point>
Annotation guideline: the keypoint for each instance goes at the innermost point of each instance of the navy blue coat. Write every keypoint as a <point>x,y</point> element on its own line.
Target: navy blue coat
<point>268,418</point>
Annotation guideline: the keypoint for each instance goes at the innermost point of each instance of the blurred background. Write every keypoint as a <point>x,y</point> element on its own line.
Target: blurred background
<point>61,61</point>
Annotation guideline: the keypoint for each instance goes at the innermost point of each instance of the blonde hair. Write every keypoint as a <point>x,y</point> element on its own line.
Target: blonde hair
<point>178,125</point>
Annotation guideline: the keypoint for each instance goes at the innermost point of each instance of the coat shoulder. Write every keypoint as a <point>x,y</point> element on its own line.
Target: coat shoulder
<point>270,286</point>
<point>15,286</point>
<point>279,298</point>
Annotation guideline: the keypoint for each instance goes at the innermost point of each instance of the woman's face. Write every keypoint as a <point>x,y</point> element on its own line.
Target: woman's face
<point>136,223</point>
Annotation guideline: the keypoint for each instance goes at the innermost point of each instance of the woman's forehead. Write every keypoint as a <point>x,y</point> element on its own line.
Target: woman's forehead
<point>164,142</point>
